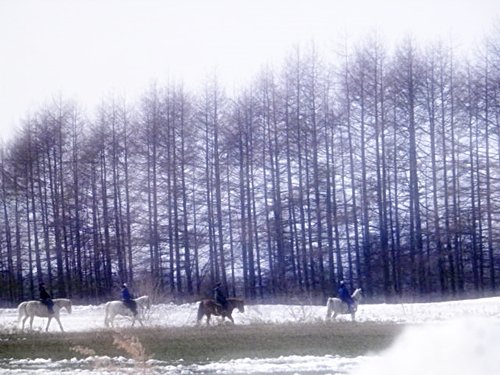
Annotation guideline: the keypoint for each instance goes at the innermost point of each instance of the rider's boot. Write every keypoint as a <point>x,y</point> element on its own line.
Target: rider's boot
<point>219,308</point>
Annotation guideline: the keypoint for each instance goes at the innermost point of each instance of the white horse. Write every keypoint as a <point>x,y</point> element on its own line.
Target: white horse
<point>337,306</point>
<point>30,309</point>
<point>114,308</point>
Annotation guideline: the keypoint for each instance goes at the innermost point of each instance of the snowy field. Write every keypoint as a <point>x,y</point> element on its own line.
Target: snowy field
<point>459,337</point>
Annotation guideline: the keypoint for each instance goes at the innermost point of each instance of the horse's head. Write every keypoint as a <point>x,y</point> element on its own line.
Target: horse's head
<point>239,304</point>
<point>357,295</point>
<point>144,301</point>
<point>63,302</point>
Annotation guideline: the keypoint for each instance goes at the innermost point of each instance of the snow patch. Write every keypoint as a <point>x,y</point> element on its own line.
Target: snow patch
<point>457,337</point>
<point>459,347</point>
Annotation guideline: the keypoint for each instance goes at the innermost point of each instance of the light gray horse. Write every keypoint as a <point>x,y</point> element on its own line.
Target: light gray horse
<point>114,308</point>
<point>30,309</point>
<point>337,306</point>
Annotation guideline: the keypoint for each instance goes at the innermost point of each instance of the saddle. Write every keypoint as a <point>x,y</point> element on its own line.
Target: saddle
<point>49,304</point>
<point>219,308</point>
<point>131,304</point>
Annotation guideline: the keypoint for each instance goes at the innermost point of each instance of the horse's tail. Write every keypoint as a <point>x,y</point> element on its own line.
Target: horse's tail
<point>201,312</point>
<point>21,312</point>
<point>329,308</point>
<point>106,319</point>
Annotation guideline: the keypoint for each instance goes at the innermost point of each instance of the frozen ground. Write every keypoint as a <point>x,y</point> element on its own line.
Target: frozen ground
<point>459,338</point>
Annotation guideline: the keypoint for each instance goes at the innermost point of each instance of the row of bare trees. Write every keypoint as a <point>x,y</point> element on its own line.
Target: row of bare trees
<point>379,168</point>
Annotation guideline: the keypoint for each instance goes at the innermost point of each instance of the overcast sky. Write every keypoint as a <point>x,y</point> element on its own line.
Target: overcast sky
<point>89,49</point>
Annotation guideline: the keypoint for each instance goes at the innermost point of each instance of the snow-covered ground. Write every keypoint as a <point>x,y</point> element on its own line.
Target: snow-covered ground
<point>459,337</point>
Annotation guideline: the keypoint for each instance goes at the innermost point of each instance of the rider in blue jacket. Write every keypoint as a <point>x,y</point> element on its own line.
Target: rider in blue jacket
<point>128,299</point>
<point>345,296</point>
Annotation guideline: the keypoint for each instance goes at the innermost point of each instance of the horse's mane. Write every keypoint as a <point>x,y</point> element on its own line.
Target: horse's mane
<point>237,302</point>
<point>357,291</point>
<point>235,299</point>
<point>66,300</point>
<point>144,300</point>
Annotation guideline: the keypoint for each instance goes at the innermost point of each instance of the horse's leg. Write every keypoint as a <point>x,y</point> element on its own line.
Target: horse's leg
<point>140,320</point>
<point>24,320</point>
<point>208,319</point>
<point>328,310</point>
<point>60,325</point>
<point>106,313</point>
<point>48,324</point>
<point>138,317</point>
<point>230,318</point>
<point>31,322</point>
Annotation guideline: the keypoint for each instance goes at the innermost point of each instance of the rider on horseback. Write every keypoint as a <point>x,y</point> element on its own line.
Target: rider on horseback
<point>46,298</point>
<point>128,299</point>
<point>345,296</point>
<point>219,296</point>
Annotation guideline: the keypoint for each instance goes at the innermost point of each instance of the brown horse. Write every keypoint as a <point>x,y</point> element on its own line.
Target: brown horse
<point>209,307</point>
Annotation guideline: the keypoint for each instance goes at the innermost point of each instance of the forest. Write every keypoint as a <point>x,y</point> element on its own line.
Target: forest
<point>378,166</point>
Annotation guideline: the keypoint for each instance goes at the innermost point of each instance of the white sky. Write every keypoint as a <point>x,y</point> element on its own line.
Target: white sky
<point>88,49</point>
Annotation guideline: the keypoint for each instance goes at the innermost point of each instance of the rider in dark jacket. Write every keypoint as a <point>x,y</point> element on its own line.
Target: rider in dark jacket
<point>345,296</point>
<point>219,296</point>
<point>128,299</point>
<point>46,298</point>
